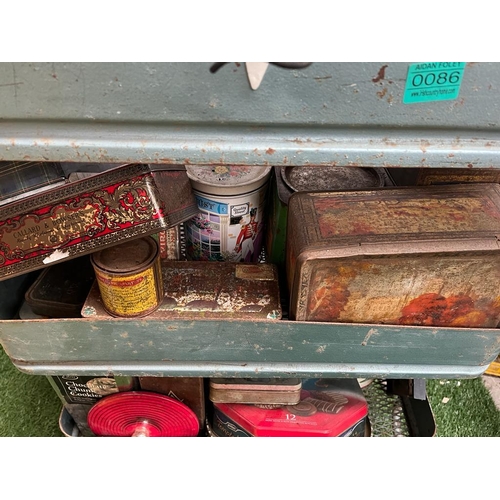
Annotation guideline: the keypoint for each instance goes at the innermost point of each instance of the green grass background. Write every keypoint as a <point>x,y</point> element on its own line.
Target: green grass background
<point>29,407</point>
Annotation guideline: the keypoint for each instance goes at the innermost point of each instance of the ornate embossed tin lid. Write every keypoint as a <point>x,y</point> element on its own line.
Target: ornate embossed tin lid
<point>227,179</point>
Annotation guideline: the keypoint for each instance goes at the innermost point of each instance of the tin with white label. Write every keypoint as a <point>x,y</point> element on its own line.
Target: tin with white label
<point>232,205</point>
<point>129,277</point>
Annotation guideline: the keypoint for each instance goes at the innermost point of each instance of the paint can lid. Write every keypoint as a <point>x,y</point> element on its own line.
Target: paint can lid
<point>227,179</point>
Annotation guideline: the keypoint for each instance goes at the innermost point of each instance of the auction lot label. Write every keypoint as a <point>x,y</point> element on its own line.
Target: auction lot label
<point>433,81</point>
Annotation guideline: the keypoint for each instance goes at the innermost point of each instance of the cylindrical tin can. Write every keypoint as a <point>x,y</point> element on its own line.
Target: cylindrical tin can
<point>232,204</point>
<point>129,277</point>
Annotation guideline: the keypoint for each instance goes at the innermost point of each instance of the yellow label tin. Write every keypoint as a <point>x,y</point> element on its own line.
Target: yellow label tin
<point>129,277</point>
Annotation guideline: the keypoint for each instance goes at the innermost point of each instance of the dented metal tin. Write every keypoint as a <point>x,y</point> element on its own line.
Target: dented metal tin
<point>405,256</point>
<point>129,277</point>
<point>199,290</point>
<point>90,214</point>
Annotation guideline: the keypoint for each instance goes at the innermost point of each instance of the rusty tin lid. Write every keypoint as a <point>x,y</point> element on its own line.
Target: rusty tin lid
<point>133,255</point>
<point>330,178</point>
<point>227,180</point>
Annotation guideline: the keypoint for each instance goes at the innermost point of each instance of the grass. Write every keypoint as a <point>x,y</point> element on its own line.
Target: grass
<point>463,408</point>
<point>29,407</point>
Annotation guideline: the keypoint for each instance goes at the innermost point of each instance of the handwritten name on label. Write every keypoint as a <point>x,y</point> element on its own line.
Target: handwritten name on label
<point>433,81</point>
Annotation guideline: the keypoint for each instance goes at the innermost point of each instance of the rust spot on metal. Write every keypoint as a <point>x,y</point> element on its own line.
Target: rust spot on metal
<point>237,64</point>
<point>489,144</point>
<point>470,165</point>
<point>256,151</point>
<point>270,151</point>
<point>184,148</point>
<point>203,150</point>
<point>451,155</point>
<point>389,142</point>
<point>424,144</point>
<point>380,74</point>
<point>470,64</point>
<point>382,93</point>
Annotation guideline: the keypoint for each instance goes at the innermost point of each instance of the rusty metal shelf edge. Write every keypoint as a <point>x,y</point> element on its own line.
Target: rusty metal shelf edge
<point>276,370</point>
<point>81,141</point>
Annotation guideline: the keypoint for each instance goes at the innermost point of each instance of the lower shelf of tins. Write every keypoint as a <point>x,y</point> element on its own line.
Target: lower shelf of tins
<point>389,415</point>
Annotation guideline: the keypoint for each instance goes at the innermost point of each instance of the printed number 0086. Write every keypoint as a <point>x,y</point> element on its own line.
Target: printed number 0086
<point>433,78</point>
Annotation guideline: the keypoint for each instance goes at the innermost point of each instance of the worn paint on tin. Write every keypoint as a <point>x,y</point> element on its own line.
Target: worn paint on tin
<point>129,277</point>
<point>221,290</point>
<point>410,256</point>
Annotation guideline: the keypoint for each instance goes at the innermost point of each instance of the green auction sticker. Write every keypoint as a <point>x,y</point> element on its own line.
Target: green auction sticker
<point>433,81</point>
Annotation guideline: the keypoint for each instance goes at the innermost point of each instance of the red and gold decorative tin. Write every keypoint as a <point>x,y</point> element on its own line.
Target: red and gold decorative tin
<point>129,277</point>
<point>410,256</point>
<point>82,217</point>
<point>327,408</point>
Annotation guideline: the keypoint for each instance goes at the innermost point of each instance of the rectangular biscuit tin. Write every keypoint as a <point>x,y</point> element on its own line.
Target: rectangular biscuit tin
<point>327,408</point>
<point>88,390</point>
<point>406,256</point>
<point>255,391</point>
<point>89,214</point>
<point>202,290</point>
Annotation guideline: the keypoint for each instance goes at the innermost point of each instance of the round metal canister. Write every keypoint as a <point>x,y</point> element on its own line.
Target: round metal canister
<point>232,204</point>
<point>129,277</point>
<point>330,178</point>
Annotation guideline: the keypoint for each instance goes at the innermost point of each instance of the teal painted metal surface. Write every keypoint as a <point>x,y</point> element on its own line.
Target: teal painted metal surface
<point>328,113</point>
<point>229,348</point>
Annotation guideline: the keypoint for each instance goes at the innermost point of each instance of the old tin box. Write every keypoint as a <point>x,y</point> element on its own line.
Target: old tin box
<point>284,391</point>
<point>84,216</point>
<point>432,176</point>
<point>408,256</point>
<point>60,290</point>
<point>327,408</point>
<point>202,290</point>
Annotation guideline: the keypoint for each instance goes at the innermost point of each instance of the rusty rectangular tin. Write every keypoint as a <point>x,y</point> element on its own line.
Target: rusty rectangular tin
<point>432,176</point>
<point>406,256</point>
<point>93,213</point>
<point>439,176</point>
<point>203,290</point>
<point>187,390</point>
<point>255,391</point>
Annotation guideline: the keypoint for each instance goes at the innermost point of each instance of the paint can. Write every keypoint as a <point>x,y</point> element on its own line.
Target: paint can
<point>232,205</point>
<point>129,277</point>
